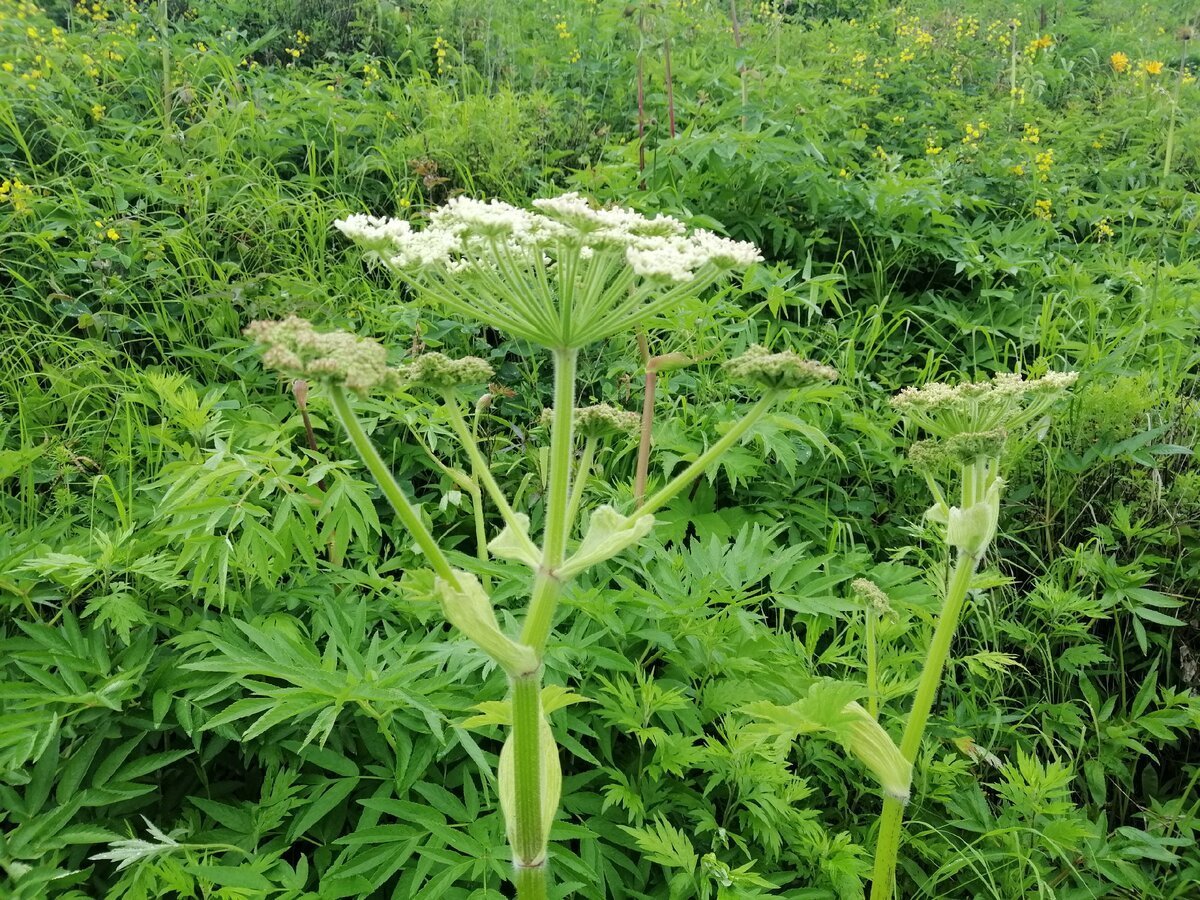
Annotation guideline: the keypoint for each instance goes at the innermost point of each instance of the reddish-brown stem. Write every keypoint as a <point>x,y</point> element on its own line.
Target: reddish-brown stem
<point>670,84</point>
<point>300,392</point>
<point>653,365</point>
<point>641,99</point>
<point>643,445</point>
<point>737,42</point>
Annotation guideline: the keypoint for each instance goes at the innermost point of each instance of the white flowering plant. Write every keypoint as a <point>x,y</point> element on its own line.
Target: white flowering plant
<point>563,275</point>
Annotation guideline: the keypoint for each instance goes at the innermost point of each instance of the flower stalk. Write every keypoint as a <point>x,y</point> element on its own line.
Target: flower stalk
<point>888,842</point>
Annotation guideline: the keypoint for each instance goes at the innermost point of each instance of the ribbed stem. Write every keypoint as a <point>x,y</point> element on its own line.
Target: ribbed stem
<point>706,459</point>
<point>529,841</point>
<point>531,882</point>
<point>408,514</point>
<point>546,584</point>
<point>888,843</point>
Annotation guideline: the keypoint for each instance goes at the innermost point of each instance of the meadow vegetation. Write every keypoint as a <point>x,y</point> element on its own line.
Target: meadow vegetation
<point>225,666</point>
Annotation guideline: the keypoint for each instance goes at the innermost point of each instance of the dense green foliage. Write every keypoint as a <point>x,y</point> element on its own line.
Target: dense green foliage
<point>222,670</point>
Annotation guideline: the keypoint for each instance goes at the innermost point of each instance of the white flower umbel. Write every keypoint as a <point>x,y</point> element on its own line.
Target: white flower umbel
<point>563,275</point>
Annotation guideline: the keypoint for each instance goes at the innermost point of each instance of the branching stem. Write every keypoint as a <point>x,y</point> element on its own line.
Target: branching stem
<point>409,516</point>
<point>665,494</point>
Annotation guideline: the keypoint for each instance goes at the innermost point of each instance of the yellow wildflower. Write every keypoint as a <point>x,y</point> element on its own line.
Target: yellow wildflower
<point>974,133</point>
<point>18,194</point>
<point>1152,67</point>
<point>1043,209</point>
<point>97,111</point>
<point>1045,42</point>
<point>440,47</point>
<point>1119,62</point>
<point>1044,162</point>
<point>1032,134</point>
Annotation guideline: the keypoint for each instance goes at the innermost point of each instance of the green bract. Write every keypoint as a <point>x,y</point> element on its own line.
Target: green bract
<point>608,534</point>
<point>563,276</point>
<point>467,607</point>
<point>827,708</point>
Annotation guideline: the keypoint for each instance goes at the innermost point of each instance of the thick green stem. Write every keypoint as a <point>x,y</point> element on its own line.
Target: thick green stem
<point>706,459</point>
<point>531,882</point>
<point>528,839</point>
<point>409,516</point>
<point>581,479</point>
<point>481,471</point>
<point>888,844</point>
<point>872,665</point>
<point>546,584</point>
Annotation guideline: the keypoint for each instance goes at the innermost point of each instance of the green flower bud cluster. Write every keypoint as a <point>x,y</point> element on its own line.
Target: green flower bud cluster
<point>603,419</point>
<point>777,371</point>
<point>872,595</point>
<point>297,349</point>
<point>442,373</point>
<point>600,420</point>
<point>936,456</point>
